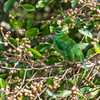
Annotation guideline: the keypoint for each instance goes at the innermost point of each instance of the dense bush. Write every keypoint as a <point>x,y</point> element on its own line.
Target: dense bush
<point>30,67</point>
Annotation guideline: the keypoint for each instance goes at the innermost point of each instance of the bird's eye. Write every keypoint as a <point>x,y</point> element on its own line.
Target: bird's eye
<point>54,33</point>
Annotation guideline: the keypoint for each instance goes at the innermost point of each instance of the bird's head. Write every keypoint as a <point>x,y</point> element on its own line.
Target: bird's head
<point>54,34</point>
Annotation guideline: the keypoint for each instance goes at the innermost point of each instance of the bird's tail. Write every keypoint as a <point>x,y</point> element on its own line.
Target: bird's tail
<point>83,63</point>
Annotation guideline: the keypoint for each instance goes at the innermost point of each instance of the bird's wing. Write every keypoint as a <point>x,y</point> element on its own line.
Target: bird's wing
<point>64,47</point>
<point>77,52</point>
<point>79,55</point>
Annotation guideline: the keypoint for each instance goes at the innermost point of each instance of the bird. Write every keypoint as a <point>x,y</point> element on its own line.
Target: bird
<point>67,47</point>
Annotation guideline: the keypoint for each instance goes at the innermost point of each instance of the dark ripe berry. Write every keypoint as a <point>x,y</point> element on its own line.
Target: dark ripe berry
<point>15,8</point>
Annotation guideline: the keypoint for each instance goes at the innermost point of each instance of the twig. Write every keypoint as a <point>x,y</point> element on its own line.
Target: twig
<point>23,79</point>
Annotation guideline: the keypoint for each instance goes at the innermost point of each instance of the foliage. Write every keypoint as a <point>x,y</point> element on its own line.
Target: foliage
<point>30,67</point>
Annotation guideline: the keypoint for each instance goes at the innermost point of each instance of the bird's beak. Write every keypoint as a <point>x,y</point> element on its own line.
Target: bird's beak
<point>49,36</point>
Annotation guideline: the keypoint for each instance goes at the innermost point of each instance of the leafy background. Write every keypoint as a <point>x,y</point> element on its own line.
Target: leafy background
<point>36,70</point>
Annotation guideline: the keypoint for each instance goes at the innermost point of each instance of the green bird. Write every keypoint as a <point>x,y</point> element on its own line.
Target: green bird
<point>67,47</point>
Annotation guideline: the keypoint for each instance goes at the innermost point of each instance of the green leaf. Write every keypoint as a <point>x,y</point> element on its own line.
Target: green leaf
<point>42,3</point>
<point>28,73</point>
<point>8,5</point>
<point>97,47</point>
<point>65,28</point>
<point>79,80</point>
<point>52,58</point>
<point>43,47</point>
<point>3,75</point>
<point>16,14</point>
<point>13,23</point>
<point>7,64</point>
<point>29,23</point>
<point>51,29</point>
<point>28,7</point>
<point>20,23</point>
<point>49,81</point>
<point>13,41</point>
<point>46,31</point>
<point>21,73</point>
<point>82,45</point>
<point>70,83</point>
<point>59,22</point>
<point>2,95</point>
<point>32,33</point>
<point>35,53</point>
<point>84,90</point>
<point>77,21</point>
<point>2,47</point>
<point>50,93</point>
<point>97,83</point>
<point>72,32</point>
<point>74,3</point>
<point>95,93</point>
<point>2,83</point>
<point>85,32</point>
<point>88,39</point>
<point>35,41</point>
<point>65,93</point>
<point>2,58</point>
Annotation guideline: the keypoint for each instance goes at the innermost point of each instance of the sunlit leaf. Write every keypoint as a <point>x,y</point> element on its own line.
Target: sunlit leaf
<point>28,7</point>
<point>74,3</point>
<point>20,23</point>
<point>16,14</point>
<point>51,29</point>
<point>8,5</point>
<point>35,53</point>
<point>82,45</point>
<point>70,83</point>
<point>65,93</point>
<point>13,41</point>
<point>50,93</point>
<point>84,90</point>
<point>32,33</point>
<point>79,80</point>
<point>2,83</point>
<point>42,3</point>
<point>49,81</point>
<point>85,32</point>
